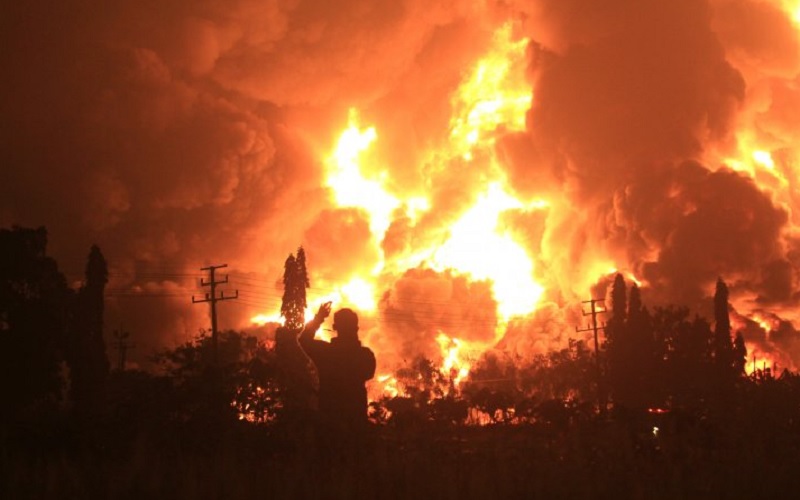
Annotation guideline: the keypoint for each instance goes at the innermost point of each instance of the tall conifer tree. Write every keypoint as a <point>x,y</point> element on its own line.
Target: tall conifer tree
<point>635,303</point>
<point>619,302</point>
<point>86,349</point>
<point>722,343</point>
<point>295,282</point>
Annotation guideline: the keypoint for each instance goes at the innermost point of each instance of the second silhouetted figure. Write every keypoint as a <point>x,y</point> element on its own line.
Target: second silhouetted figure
<point>344,366</point>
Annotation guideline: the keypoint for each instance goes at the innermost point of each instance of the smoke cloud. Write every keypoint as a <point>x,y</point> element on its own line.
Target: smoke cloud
<point>177,135</point>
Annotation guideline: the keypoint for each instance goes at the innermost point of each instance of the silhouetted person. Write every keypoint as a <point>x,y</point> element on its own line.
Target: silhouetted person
<point>344,365</point>
<point>297,372</point>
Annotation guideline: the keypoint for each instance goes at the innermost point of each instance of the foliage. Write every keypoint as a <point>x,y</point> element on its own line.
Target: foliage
<point>295,283</point>
<point>34,307</point>
<point>427,394</point>
<point>751,452</point>
<point>247,384</point>
<point>499,390</point>
<point>85,347</point>
<point>668,358</point>
<point>190,431</point>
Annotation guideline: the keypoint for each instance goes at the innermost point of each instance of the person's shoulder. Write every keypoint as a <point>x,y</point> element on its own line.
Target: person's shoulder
<point>313,344</point>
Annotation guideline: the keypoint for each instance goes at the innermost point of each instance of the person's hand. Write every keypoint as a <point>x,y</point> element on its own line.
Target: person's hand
<point>324,311</point>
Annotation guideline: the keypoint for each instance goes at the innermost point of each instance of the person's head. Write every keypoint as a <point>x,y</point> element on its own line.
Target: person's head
<point>345,322</point>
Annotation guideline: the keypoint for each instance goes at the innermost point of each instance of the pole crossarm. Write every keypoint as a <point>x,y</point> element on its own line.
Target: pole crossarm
<point>212,298</point>
<point>593,312</point>
<point>595,328</point>
<point>122,345</point>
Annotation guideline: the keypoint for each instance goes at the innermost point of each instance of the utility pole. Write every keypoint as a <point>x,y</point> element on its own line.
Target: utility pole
<point>122,345</point>
<point>212,299</point>
<point>595,328</point>
<point>593,312</point>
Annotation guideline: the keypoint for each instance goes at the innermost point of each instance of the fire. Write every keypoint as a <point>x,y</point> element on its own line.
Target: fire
<point>453,364</point>
<point>764,354</point>
<point>629,277</point>
<point>359,293</point>
<point>388,385</point>
<point>759,361</point>
<point>768,324</point>
<point>756,162</point>
<point>493,95</point>
<point>492,99</point>
<point>477,248</point>
<point>764,158</point>
<point>792,8</point>
<point>351,188</point>
<point>356,293</point>
<point>263,319</point>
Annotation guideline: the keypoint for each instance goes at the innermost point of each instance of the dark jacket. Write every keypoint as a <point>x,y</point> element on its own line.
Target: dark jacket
<point>344,366</point>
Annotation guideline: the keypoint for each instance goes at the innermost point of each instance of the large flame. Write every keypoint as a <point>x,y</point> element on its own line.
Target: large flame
<point>494,95</point>
<point>491,100</point>
<point>478,247</point>
<point>348,182</point>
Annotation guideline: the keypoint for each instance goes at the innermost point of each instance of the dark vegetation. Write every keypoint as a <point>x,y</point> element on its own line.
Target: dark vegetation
<point>667,412</point>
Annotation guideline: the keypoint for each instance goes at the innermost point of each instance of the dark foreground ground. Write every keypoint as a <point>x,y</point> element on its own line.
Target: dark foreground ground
<point>595,458</point>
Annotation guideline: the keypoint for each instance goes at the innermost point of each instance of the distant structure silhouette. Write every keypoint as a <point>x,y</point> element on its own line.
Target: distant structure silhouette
<point>85,349</point>
<point>344,366</point>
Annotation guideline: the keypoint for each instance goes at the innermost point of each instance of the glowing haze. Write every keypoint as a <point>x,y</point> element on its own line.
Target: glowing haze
<point>462,174</point>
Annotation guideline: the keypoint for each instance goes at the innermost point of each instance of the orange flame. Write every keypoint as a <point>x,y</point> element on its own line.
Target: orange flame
<point>493,95</point>
<point>493,98</point>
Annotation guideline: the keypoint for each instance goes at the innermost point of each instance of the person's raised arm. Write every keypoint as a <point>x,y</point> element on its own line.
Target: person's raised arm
<point>308,332</point>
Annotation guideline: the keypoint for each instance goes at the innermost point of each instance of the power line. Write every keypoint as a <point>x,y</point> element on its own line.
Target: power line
<point>595,328</point>
<point>266,288</point>
<point>266,296</point>
<point>122,345</point>
<point>396,316</point>
<point>212,299</point>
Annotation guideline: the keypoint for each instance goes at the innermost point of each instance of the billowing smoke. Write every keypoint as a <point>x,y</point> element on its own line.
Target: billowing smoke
<point>637,106</point>
<point>176,135</point>
<point>424,303</point>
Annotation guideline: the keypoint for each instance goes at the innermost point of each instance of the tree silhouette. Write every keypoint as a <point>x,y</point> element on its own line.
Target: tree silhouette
<point>619,302</point>
<point>85,347</point>
<point>616,342</point>
<point>617,345</point>
<point>644,353</point>
<point>686,351</point>
<point>739,354</point>
<point>722,345</point>
<point>630,348</point>
<point>34,301</point>
<point>248,384</point>
<point>669,359</point>
<point>295,282</point>
<point>301,271</point>
<point>507,388</point>
<point>297,372</point>
<point>635,307</point>
<point>494,386</point>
